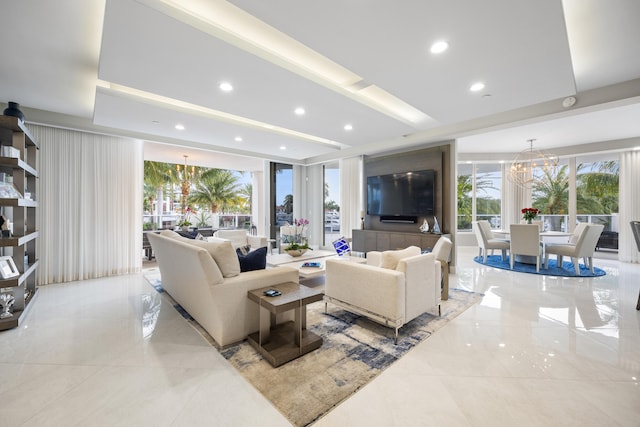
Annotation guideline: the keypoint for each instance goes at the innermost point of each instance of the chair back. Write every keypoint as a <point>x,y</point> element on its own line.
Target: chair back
<point>577,232</point>
<point>442,249</point>
<point>525,239</point>
<point>478,233</point>
<point>587,241</point>
<point>538,222</point>
<point>485,228</point>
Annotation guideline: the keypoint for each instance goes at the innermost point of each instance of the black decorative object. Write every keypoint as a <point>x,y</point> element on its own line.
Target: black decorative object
<point>14,110</point>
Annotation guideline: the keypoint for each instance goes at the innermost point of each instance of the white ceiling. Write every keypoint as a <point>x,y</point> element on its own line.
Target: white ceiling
<point>138,68</point>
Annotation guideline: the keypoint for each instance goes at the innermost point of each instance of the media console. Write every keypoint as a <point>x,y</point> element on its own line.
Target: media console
<point>374,240</point>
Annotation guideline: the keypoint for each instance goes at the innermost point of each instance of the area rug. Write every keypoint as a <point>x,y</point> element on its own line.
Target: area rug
<point>567,269</point>
<point>354,351</point>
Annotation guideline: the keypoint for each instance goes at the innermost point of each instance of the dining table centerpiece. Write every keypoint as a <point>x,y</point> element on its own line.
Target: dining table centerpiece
<point>529,214</point>
<point>297,243</point>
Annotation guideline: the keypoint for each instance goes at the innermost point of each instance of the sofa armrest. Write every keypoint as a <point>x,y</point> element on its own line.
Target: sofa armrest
<point>422,276</point>
<point>374,289</point>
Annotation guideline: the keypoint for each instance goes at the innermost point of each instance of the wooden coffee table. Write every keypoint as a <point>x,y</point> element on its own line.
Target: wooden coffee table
<point>279,344</point>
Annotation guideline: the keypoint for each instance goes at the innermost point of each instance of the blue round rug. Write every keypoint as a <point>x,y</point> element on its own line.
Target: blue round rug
<point>566,269</point>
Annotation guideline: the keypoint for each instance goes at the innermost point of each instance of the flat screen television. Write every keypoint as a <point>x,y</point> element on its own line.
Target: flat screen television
<point>401,194</point>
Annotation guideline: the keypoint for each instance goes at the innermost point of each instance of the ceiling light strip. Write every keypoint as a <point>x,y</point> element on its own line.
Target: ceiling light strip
<point>186,107</point>
<point>228,22</point>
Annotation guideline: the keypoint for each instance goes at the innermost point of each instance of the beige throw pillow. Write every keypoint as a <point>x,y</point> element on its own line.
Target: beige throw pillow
<point>223,254</point>
<point>390,258</point>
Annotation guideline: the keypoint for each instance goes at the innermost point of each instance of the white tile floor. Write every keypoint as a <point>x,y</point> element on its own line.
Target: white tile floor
<point>537,351</point>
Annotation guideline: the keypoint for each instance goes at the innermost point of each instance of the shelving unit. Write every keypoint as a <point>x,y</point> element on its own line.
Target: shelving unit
<point>21,211</point>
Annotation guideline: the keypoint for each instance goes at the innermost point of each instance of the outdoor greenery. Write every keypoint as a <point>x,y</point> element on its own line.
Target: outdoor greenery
<point>596,190</point>
<point>211,190</point>
<point>484,203</point>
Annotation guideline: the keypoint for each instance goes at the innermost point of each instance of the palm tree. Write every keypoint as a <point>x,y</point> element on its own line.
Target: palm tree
<point>246,193</point>
<point>551,192</point>
<point>287,204</point>
<point>465,202</point>
<point>157,176</point>
<point>215,188</point>
<point>600,187</point>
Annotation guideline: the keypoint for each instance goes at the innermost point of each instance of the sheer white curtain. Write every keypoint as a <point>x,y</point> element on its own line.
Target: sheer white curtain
<point>351,197</point>
<point>89,205</point>
<point>514,198</point>
<point>629,205</point>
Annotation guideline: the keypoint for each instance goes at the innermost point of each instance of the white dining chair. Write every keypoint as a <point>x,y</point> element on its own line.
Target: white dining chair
<point>487,241</point>
<point>525,241</point>
<point>573,238</point>
<point>582,248</point>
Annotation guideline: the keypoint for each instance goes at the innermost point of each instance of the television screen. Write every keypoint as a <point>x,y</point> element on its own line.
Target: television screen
<point>406,193</point>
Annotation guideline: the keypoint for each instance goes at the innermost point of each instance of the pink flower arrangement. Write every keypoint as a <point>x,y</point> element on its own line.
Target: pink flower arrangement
<point>299,241</point>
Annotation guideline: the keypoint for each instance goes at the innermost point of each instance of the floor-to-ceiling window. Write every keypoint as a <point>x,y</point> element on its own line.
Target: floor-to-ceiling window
<point>281,197</point>
<point>595,191</point>
<point>597,180</point>
<point>479,188</point>
<point>331,200</point>
<point>550,195</point>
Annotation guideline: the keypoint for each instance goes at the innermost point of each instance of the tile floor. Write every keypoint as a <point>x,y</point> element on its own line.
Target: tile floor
<point>537,351</point>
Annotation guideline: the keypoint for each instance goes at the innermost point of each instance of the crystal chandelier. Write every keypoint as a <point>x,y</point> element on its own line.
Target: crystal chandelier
<point>527,167</point>
<point>185,176</point>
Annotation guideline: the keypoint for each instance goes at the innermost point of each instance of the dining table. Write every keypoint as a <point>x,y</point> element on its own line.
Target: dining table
<point>546,236</point>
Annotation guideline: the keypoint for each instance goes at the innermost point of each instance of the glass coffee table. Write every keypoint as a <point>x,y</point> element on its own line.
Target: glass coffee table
<point>279,344</point>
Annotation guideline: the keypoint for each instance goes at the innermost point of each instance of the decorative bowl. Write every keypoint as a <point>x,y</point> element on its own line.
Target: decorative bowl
<point>295,252</point>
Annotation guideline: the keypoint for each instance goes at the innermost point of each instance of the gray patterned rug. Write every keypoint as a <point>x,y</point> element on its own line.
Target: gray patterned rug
<point>354,351</point>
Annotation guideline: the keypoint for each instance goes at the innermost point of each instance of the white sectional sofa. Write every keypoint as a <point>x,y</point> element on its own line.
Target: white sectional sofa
<point>392,288</point>
<point>205,279</point>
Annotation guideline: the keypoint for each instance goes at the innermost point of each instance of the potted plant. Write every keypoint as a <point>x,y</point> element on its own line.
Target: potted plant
<point>297,242</point>
<point>184,224</point>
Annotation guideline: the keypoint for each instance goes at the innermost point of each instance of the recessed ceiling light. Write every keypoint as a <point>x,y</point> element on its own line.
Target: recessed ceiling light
<point>282,147</point>
<point>348,127</point>
<point>238,139</point>
<point>179,126</point>
<point>299,111</point>
<point>225,87</point>
<point>439,47</point>
<point>476,87</point>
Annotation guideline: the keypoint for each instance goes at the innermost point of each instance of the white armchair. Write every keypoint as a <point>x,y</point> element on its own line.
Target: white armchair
<point>240,238</point>
<point>582,248</point>
<point>393,288</point>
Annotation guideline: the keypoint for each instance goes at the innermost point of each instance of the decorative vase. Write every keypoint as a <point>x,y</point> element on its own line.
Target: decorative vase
<point>14,110</point>
<point>436,227</point>
<point>424,228</point>
<point>295,252</point>
<point>529,221</point>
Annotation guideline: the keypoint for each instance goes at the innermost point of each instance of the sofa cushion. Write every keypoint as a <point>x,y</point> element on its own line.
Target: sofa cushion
<point>390,258</point>
<point>221,251</point>
<point>254,260</point>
